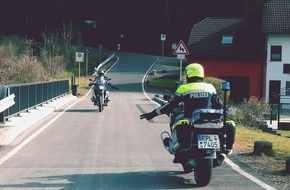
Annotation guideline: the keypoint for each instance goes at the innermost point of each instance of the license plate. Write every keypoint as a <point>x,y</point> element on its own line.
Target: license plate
<point>206,141</point>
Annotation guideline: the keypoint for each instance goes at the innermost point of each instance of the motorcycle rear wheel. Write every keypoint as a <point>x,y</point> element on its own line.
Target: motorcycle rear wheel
<point>186,167</point>
<point>203,172</point>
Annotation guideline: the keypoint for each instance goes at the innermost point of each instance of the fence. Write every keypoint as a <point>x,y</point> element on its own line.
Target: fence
<point>30,95</point>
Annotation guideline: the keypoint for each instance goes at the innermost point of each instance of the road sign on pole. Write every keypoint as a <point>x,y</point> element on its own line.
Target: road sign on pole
<point>181,49</point>
<point>163,39</point>
<point>80,56</point>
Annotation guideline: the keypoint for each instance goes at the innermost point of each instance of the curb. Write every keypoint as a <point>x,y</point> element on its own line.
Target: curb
<point>17,124</point>
<point>159,100</point>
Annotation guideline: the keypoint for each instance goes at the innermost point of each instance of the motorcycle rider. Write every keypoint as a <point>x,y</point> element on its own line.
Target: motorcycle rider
<point>194,94</point>
<point>101,79</point>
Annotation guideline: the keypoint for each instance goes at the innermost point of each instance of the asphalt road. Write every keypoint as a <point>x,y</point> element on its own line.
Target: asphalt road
<point>77,147</point>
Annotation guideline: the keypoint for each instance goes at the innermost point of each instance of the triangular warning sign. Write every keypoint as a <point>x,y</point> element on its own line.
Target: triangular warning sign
<point>181,49</point>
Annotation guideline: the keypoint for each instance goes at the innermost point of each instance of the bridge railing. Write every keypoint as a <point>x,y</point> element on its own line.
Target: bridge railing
<point>30,95</point>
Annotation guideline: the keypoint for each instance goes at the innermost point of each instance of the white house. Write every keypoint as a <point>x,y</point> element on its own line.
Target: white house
<point>276,27</point>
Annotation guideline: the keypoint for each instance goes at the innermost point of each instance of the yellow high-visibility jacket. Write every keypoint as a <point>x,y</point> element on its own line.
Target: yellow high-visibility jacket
<point>195,95</point>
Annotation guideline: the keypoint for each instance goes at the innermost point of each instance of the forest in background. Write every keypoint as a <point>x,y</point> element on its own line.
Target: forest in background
<point>103,21</point>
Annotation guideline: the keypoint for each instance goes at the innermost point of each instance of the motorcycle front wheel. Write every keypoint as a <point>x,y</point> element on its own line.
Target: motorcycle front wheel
<point>100,105</point>
<point>203,172</point>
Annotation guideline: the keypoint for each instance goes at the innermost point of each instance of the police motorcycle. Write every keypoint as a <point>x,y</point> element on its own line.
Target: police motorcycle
<point>199,143</point>
<point>100,94</point>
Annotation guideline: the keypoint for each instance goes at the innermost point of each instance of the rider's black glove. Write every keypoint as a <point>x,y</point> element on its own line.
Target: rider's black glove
<point>149,115</point>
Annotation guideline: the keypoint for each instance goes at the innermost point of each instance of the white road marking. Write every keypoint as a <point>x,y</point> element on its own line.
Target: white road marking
<point>247,175</point>
<point>30,138</point>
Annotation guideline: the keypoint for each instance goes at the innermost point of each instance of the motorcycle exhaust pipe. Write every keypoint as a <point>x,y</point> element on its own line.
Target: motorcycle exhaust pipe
<point>165,137</point>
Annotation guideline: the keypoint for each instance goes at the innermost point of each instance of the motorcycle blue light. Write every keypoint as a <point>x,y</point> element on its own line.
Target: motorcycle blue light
<point>226,86</point>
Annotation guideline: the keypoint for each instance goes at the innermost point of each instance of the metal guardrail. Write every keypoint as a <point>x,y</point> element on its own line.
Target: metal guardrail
<point>30,95</point>
<point>7,102</point>
<point>104,62</point>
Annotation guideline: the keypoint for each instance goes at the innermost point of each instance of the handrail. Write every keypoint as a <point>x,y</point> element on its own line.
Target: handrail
<point>29,95</point>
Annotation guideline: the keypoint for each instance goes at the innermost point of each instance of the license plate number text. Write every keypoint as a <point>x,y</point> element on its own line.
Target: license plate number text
<point>206,141</point>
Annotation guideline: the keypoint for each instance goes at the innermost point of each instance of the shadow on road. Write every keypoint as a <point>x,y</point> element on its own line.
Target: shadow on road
<point>130,180</point>
<point>77,110</point>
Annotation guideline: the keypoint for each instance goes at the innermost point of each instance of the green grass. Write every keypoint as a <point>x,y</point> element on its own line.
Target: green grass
<point>168,82</point>
<point>246,137</point>
<point>284,133</point>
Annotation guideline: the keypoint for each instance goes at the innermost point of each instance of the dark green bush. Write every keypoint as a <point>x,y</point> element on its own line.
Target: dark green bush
<point>217,83</point>
<point>251,111</point>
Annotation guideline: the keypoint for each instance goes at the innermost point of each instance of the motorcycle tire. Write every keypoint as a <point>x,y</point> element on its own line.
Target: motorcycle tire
<point>186,167</point>
<point>100,105</point>
<point>203,172</point>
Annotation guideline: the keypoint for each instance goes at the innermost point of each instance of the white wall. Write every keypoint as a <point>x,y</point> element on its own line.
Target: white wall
<point>275,68</point>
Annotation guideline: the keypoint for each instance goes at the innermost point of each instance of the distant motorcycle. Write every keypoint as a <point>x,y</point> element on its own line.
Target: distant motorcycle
<point>100,94</point>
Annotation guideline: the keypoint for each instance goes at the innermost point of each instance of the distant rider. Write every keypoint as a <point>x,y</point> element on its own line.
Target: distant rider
<point>101,79</point>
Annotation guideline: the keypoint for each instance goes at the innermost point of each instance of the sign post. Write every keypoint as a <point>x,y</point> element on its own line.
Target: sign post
<point>163,39</point>
<point>87,61</point>
<point>180,51</point>
<point>79,59</point>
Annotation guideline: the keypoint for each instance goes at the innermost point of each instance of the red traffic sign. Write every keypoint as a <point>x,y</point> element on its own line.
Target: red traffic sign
<point>181,49</point>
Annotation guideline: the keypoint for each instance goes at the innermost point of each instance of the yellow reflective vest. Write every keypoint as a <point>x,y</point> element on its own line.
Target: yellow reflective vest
<point>195,95</point>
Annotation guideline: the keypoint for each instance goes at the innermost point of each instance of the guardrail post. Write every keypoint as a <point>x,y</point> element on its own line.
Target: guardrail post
<point>2,117</point>
<point>3,94</point>
<point>74,86</point>
<point>73,80</point>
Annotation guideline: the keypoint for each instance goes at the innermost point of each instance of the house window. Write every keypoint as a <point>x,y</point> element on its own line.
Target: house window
<point>227,40</point>
<point>286,68</point>
<point>287,88</point>
<point>276,52</point>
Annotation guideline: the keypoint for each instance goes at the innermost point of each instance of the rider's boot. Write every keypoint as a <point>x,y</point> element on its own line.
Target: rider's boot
<point>231,134</point>
<point>107,98</point>
<point>228,151</point>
